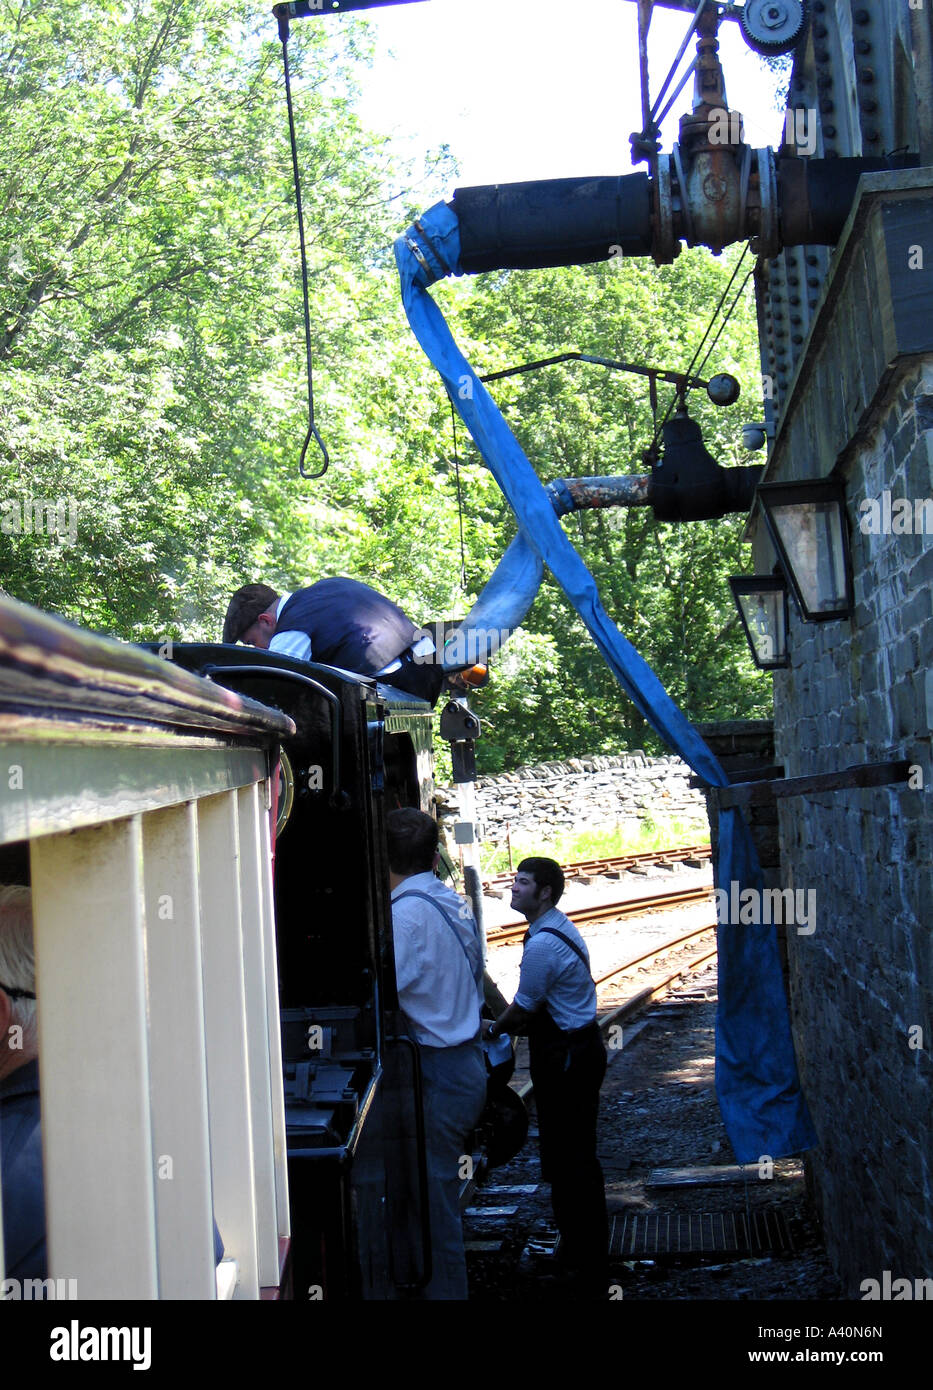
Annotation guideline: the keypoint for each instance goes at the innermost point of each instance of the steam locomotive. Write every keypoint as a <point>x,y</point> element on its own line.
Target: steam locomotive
<point>356,1164</point>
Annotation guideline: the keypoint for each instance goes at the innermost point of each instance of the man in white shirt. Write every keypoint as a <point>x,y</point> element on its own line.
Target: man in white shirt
<point>439,972</point>
<point>556,1005</point>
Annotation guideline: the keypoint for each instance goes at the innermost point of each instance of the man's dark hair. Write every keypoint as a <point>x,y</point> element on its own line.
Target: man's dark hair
<point>411,838</point>
<point>245,607</point>
<point>546,874</point>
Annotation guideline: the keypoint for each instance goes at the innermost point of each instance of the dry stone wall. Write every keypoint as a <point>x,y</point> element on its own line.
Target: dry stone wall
<point>598,792</point>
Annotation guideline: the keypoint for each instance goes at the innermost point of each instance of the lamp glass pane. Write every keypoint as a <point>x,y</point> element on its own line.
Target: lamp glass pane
<point>812,536</point>
<point>764,620</point>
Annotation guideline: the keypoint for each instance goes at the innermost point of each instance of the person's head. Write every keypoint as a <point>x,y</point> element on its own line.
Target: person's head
<point>18,1034</point>
<point>251,616</point>
<point>538,886</point>
<point>412,840</point>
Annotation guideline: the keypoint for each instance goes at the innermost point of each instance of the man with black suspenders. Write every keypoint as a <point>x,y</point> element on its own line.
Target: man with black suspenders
<point>439,972</point>
<point>556,1005</point>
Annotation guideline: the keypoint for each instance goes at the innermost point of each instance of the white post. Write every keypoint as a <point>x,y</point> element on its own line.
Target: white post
<point>93,1060</point>
<point>257,1035</point>
<point>178,1071</point>
<point>225,1030</point>
<point>466,835</point>
<point>272,1015</point>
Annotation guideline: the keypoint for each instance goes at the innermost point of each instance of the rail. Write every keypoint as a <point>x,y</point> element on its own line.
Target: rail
<point>615,863</point>
<point>142,795</point>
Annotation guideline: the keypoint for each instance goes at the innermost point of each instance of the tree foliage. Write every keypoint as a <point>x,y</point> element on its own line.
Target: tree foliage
<point>151,369</point>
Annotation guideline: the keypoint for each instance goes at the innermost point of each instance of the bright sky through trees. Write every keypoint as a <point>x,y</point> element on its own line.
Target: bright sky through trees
<point>533,89</point>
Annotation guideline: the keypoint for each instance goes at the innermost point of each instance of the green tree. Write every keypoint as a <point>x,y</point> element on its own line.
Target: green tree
<point>150,339</point>
<point>151,369</point>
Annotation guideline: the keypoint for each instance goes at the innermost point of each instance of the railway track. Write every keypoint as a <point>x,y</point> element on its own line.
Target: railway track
<point>655,988</point>
<point>658,952</point>
<point>605,912</point>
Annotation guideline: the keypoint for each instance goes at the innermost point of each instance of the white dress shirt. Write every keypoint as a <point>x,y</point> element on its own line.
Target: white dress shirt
<point>437,988</point>
<point>296,644</point>
<point>553,974</point>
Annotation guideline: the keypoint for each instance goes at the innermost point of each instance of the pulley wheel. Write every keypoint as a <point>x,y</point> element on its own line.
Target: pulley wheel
<point>773,26</point>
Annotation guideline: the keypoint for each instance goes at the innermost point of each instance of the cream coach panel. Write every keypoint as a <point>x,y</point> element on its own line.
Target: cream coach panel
<point>49,787</point>
<point>93,1060</point>
<point>225,1026</point>
<point>177,1065</point>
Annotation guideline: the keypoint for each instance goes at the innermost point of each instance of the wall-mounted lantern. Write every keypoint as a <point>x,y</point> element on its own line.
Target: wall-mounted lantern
<point>807,524</point>
<point>762,603</point>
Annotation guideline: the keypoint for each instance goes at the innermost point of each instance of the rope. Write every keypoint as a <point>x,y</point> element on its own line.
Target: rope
<point>689,372</point>
<point>728,316</point>
<point>312,428</point>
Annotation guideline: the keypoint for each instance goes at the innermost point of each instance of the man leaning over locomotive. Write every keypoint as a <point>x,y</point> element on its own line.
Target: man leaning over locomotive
<point>439,972</point>
<point>339,622</point>
<point>556,1005</point>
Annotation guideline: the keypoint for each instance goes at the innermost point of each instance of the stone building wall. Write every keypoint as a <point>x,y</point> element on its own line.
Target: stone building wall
<point>862,984</point>
<point>598,792</point>
<point>858,405</point>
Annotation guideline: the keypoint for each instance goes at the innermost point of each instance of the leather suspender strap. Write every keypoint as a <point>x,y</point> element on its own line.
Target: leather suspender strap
<point>552,931</point>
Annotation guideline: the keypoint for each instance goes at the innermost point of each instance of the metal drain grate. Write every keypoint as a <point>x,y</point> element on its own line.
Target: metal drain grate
<point>644,1235</point>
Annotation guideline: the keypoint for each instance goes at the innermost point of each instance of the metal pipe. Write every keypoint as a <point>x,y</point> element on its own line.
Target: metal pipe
<point>815,196</point>
<point>644,24</point>
<point>523,226</point>
<point>576,494</point>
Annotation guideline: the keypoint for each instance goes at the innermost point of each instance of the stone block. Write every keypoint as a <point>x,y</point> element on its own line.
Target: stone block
<point>879,720</point>
<point>917,610</point>
<point>921,571</point>
<point>908,710</point>
<point>906,655</point>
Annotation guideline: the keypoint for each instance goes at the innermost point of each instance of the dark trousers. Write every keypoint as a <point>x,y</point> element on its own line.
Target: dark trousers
<point>567,1070</point>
